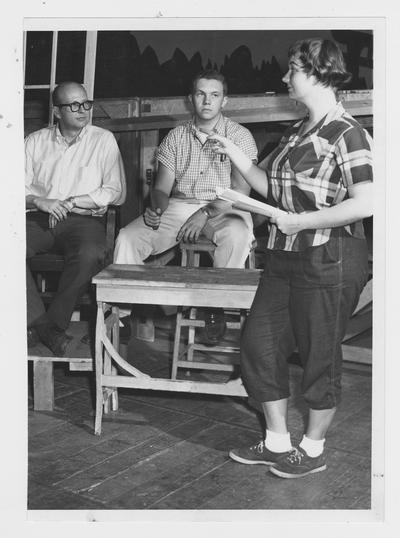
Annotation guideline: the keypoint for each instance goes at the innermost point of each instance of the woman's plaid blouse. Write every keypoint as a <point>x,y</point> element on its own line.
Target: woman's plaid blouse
<point>313,171</point>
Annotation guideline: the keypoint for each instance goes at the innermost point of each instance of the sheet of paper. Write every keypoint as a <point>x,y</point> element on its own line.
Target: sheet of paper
<point>241,201</point>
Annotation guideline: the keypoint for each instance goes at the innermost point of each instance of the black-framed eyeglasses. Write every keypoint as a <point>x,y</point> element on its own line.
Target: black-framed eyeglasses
<point>76,106</point>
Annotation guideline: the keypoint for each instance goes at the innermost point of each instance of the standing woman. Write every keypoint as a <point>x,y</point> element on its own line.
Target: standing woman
<point>316,260</point>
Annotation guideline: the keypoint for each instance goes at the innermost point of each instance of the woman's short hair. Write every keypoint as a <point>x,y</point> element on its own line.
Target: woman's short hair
<point>210,74</point>
<point>322,58</point>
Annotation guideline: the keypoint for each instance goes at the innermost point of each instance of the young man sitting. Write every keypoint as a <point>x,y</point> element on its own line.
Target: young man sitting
<point>184,201</point>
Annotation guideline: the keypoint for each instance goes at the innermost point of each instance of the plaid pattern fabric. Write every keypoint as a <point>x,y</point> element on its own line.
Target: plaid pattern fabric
<point>198,171</point>
<point>313,171</point>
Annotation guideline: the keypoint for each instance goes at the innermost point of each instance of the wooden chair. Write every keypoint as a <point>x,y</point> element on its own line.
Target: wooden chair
<point>190,257</point>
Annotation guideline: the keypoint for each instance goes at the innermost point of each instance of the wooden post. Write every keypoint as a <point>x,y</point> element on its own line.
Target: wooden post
<point>43,385</point>
<point>129,143</point>
<point>148,167</point>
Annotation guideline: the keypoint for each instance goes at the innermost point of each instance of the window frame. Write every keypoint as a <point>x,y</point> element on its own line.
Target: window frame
<point>89,68</point>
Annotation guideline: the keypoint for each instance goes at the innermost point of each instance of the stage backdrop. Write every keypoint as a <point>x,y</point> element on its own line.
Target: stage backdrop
<point>161,63</point>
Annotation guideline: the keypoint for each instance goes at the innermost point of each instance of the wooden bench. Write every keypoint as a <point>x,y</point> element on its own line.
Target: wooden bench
<point>43,365</point>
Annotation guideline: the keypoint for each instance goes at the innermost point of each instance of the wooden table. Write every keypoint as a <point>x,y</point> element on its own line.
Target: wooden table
<point>178,286</point>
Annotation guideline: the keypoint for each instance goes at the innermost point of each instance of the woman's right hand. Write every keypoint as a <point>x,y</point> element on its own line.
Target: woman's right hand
<point>222,145</point>
<point>250,172</point>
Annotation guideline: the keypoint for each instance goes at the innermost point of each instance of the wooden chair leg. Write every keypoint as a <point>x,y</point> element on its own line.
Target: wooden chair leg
<point>114,394</point>
<point>191,335</point>
<point>43,385</point>
<point>177,342</point>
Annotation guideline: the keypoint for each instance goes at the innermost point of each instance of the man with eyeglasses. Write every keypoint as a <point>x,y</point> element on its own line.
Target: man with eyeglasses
<point>184,200</point>
<point>73,171</point>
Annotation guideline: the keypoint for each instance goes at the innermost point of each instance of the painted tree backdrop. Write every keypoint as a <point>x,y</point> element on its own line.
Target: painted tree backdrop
<point>161,63</point>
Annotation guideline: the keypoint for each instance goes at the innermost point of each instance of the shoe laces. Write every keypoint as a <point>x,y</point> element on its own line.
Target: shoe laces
<point>295,456</point>
<point>259,447</point>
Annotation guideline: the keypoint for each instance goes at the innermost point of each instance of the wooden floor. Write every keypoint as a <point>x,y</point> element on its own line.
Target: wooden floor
<point>170,451</point>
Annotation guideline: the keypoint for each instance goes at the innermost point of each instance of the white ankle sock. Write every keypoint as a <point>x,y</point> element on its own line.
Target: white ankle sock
<point>312,447</point>
<point>278,442</point>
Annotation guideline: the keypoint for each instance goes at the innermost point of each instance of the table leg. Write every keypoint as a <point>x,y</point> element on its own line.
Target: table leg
<point>115,341</point>
<point>99,367</point>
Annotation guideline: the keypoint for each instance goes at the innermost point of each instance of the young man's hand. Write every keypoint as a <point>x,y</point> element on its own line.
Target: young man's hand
<point>152,218</point>
<point>192,228</point>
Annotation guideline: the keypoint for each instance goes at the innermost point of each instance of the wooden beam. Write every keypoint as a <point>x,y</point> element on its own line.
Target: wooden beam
<point>280,109</point>
<point>357,354</point>
<point>230,388</point>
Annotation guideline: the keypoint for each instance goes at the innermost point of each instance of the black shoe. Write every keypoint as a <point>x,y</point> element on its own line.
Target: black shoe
<point>32,337</point>
<point>256,455</point>
<point>214,326</point>
<point>298,463</point>
<point>54,338</point>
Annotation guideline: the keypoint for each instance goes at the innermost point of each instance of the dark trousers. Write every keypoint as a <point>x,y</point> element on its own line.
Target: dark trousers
<point>82,242</point>
<point>314,292</point>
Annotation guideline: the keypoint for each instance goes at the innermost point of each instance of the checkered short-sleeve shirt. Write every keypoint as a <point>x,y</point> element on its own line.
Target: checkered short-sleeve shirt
<point>313,171</point>
<point>198,171</point>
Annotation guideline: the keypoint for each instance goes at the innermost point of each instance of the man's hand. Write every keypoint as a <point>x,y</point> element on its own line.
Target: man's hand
<point>192,228</point>
<point>68,204</point>
<point>52,222</point>
<point>57,208</point>
<point>152,218</point>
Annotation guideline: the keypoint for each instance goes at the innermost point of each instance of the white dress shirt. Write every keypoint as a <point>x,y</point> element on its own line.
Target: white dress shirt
<point>91,165</point>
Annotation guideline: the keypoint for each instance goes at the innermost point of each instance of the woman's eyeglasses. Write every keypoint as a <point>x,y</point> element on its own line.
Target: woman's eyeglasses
<point>76,106</point>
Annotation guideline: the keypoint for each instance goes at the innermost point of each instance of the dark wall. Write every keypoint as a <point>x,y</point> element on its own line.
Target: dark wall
<point>161,63</point>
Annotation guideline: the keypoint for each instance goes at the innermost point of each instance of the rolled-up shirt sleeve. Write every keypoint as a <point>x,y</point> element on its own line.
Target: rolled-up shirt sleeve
<point>113,185</point>
<point>354,156</point>
<point>28,167</point>
<point>166,152</point>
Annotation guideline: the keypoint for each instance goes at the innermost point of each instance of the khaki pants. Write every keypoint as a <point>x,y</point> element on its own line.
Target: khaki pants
<point>232,233</point>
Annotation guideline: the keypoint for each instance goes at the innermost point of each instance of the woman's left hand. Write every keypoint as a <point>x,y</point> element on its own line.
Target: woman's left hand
<point>288,223</point>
